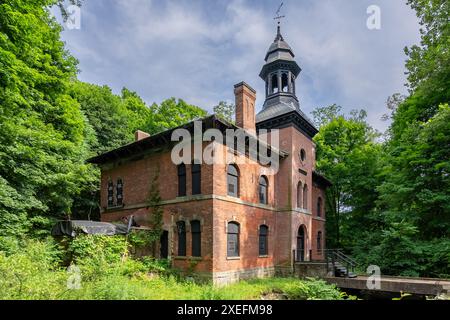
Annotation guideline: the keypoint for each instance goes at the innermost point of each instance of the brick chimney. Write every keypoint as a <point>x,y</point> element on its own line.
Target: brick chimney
<point>245,106</point>
<point>139,135</point>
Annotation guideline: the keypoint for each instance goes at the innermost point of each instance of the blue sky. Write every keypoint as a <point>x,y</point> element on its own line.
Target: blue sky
<point>198,49</point>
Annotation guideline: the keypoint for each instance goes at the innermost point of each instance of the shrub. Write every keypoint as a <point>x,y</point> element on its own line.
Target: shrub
<point>32,273</point>
<point>97,255</point>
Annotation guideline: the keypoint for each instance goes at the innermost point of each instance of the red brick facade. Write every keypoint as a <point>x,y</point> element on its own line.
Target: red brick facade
<point>293,193</point>
<point>214,208</point>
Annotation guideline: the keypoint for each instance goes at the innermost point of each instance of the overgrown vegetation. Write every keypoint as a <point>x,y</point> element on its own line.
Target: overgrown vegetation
<point>107,272</point>
<point>389,205</point>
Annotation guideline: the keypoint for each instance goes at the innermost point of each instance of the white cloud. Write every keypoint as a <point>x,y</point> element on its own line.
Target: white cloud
<point>197,50</point>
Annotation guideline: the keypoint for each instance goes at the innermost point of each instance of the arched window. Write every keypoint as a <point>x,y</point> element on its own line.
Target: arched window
<point>233,181</point>
<point>263,243</point>
<point>299,195</point>
<point>319,242</point>
<point>196,238</point>
<point>263,190</point>
<point>181,180</point>
<point>284,82</point>
<point>119,192</point>
<point>301,243</point>
<point>319,207</point>
<point>233,239</point>
<point>305,197</point>
<point>181,231</point>
<point>196,178</point>
<point>303,155</point>
<point>110,194</point>
<point>274,82</point>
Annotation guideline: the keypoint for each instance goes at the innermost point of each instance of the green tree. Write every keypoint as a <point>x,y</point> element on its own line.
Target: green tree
<point>42,130</point>
<point>348,155</point>
<point>172,113</point>
<point>428,65</point>
<point>225,111</point>
<point>106,114</point>
<point>412,211</point>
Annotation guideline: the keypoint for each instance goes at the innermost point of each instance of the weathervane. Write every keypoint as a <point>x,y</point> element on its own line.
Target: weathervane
<point>279,17</point>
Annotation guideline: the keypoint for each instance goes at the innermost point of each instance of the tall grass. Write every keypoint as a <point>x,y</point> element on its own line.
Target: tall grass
<point>36,272</point>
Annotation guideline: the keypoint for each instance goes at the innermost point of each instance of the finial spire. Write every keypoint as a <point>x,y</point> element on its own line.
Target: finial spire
<point>279,17</point>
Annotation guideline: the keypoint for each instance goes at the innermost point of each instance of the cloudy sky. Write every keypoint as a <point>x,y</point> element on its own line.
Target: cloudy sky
<point>198,49</point>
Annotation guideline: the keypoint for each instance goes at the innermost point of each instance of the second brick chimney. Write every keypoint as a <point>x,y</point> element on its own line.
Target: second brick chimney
<point>245,106</point>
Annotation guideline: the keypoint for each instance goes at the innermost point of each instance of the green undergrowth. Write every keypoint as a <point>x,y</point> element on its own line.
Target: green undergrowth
<point>100,268</point>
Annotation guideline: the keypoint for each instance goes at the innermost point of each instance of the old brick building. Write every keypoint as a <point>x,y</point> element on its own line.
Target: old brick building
<point>229,221</point>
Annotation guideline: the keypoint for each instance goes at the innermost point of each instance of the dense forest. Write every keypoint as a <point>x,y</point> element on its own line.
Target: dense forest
<point>390,200</point>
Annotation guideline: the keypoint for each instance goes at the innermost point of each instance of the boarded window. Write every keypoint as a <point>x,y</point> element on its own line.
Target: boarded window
<point>263,190</point>
<point>196,179</point>
<point>263,240</point>
<point>196,238</point>
<point>233,239</point>
<point>181,180</point>
<point>110,194</point>
<point>119,192</point>
<point>233,181</point>
<point>181,230</point>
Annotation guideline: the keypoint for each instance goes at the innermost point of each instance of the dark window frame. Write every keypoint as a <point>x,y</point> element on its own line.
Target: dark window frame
<point>319,242</point>
<point>181,232</point>
<point>305,196</point>
<point>110,194</point>
<point>196,237</point>
<point>300,195</point>
<point>263,190</point>
<point>263,240</point>
<point>303,155</point>
<point>196,173</point>
<point>233,179</point>
<point>319,207</point>
<point>119,192</point>
<point>181,170</point>
<point>233,236</point>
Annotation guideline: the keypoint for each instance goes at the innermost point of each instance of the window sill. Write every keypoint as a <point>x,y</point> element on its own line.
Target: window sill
<point>110,208</point>
<point>188,258</point>
<point>233,258</point>
<point>263,256</point>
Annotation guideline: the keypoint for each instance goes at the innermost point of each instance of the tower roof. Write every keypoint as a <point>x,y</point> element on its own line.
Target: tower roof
<point>279,49</point>
<point>281,106</point>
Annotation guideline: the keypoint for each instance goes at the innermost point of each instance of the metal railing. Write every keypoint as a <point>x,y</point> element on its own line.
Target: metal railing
<point>335,257</point>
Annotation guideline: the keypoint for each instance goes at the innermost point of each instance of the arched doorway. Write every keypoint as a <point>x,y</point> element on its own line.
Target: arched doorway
<point>301,243</point>
<point>164,245</point>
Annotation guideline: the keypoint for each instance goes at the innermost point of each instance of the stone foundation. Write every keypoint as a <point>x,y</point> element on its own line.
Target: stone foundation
<point>228,277</point>
<point>310,269</point>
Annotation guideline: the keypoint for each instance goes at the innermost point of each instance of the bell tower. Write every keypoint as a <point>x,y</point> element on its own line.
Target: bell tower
<point>281,106</point>
<point>279,73</point>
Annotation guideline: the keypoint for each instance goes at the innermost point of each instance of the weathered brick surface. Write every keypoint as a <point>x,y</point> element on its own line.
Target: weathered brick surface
<point>214,208</point>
